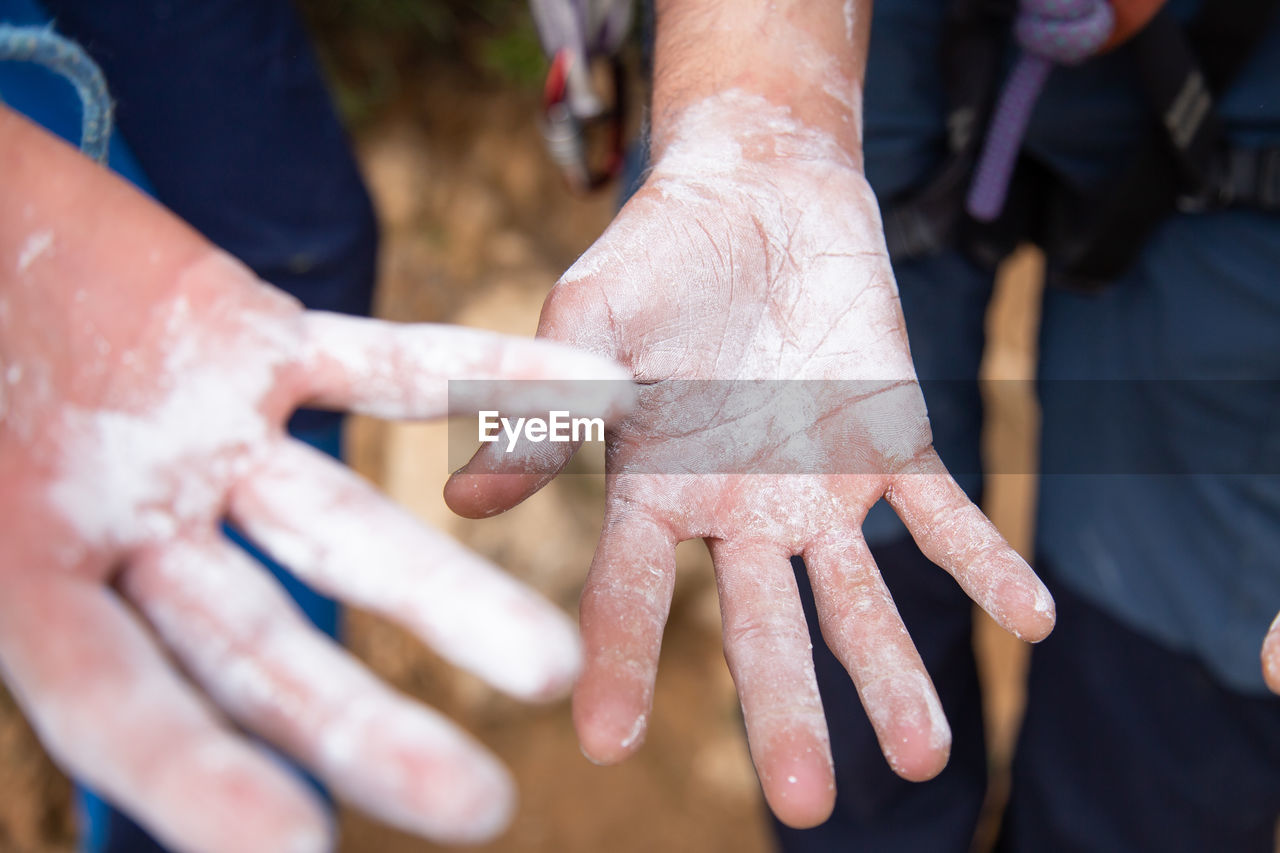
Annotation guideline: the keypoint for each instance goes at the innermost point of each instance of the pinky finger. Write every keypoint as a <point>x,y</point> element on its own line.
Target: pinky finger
<point>953,532</point>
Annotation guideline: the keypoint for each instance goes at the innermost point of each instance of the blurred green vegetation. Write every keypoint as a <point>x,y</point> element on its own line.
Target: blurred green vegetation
<point>368,47</point>
<point>438,21</point>
<point>515,54</point>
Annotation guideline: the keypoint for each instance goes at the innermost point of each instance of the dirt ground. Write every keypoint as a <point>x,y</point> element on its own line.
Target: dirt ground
<point>476,228</point>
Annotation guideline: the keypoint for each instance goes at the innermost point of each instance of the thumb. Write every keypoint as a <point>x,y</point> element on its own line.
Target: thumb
<point>576,312</point>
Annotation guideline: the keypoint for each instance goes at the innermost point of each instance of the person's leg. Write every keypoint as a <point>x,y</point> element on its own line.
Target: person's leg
<point>944,300</point>
<point>1160,507</point>
<point>1129,746</point>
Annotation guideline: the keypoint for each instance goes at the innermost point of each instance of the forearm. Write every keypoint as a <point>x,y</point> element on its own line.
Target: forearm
<point>804,56</point>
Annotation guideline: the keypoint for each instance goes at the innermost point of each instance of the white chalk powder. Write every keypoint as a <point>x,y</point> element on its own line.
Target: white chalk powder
<point>36,245</point>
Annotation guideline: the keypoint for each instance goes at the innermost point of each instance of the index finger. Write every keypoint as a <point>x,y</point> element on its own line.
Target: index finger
<point>400,370</point>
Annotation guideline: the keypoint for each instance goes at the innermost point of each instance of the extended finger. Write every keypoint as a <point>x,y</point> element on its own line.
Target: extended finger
<point>766,643</point>
<point>955,534</point>
<point>343,538</point>
<point>237,633</point>
<point>625,604</point>
<point>861,626</point>
<point>398,370</point>
<point>114,714</point>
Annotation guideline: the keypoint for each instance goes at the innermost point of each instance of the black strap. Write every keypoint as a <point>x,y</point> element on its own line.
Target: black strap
<point>1241,177</point>
<point>1181,164</point>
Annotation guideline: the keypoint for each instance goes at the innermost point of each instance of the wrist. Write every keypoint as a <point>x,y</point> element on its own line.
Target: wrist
<point>738,132</point>
<point>742,71</point>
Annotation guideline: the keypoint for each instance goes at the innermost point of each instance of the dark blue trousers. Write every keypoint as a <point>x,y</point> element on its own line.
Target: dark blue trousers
<point>1126,747</point>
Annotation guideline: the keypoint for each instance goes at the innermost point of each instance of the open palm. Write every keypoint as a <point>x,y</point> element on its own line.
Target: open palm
<point>147,379</point>
<point>750,294</point>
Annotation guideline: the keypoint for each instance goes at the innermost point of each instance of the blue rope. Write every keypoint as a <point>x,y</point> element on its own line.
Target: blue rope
<point>66,58</point>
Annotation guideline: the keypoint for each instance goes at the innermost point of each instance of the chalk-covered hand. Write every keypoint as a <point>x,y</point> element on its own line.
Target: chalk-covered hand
<point>145,382</point>
<point>754,252</point>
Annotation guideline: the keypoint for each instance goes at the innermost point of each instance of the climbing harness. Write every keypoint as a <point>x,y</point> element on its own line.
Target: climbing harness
<point>584,131</point>
<point>988,196</point>
<point>66,58</point>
